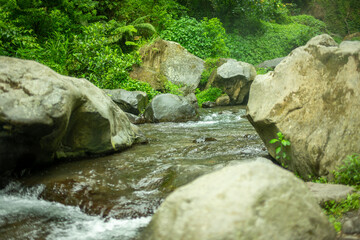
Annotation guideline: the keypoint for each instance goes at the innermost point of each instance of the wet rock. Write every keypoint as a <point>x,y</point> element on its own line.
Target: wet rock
<point>43,114</point>
<point>329,192</point>
<point>168,61</point>
<point>312,98</point>
<point>96,199</point>
<point>191,98</point>
<point>234,78</point>
<point>129,101</point>
<point>208,104</point>
<point>170,108</point>
<point>134,119</point>
<point>252,200</point>
<point>223,100</point>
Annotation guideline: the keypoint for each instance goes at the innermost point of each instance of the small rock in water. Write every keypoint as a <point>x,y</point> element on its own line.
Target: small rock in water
<point>208,104</point>
<point>249,136</point>
<point>226,112</point>
<point>204,139</point>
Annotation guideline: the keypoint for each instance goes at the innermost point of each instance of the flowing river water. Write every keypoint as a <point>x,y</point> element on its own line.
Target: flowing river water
<point>114,197</point>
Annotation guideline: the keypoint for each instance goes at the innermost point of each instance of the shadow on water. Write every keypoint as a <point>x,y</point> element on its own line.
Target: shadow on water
<point>114,196</point>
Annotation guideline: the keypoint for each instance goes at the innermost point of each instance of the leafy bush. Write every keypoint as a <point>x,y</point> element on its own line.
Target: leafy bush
<point>335,210</point>
<point>309,21</point>
<point>349,172</point>
<point>210,94</point>
<point>13,37</point>
<point>101,64</point>
<point>273,41</point>
<point>210,66</point>
<point>46,17</point>
<point>341,16</point>
<point>260,71</point>
<point>204,38</point>
<point>173,88</point>
<point>230,10</point>
<point>134,85</point>
<point>98,58</point>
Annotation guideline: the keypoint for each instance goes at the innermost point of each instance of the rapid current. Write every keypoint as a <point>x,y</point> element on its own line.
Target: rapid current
<point>114,197</point>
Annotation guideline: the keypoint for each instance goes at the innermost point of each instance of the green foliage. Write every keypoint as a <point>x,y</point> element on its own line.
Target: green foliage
<point>46,17</point>
<point>280,151</point>
<point>210,94</point>
<point>13,37</point>
<point>273,41</point>
<point>309,21</point>
<point>204,38</point>
<point>134,85</point>
<point>158,12</point>
<point>96,59</point>
<point>260,71</point>
<point>341,16</point>
<point>128,36</point>
<point>210,66</point>
<point>230,10</point>
<point>173,88</point>
<point>349,172</point>
<point>335,210</point>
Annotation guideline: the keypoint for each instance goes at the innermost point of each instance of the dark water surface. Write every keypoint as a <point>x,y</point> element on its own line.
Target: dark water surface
<point>113,197</point>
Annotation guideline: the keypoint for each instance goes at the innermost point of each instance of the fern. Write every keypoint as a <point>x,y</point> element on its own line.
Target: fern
<point>145,29</point>
<point>125,33</point>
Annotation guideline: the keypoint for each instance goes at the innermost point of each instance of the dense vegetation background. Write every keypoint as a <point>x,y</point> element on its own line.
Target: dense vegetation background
<point>98,40</point>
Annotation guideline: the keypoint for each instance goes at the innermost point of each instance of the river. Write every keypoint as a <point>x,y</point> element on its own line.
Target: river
<point>114,197</point>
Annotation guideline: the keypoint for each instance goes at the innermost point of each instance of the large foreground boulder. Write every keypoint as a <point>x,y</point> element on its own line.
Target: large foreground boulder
<point>165,61</point>
<point>132,102</point>
<point>255,200</point>
<point>313,98</point>
<point>234,78</point>
<point>43,114</point>
<point>170,108</point>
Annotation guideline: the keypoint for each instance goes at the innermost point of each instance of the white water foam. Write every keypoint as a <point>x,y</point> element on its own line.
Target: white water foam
<point>63,222</point>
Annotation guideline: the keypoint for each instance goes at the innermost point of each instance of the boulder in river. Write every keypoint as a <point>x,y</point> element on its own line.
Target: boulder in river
<point>129,101</point>
<point>43,114</point>
<point>313,98</point>
<point>168,61</point>
<point>223,100</point>
<point>251,200</point>
<point>170,108</point>
<point>234,78</point>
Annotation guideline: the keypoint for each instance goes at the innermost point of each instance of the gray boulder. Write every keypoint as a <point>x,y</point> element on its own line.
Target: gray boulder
<point>44,114</point>
<point>191,98</point>
<point>312,97</point>
<point>234,78</point>
<point>168,61</point>
<point>270,63</point>
<point>351,226</point>
<point>170,108</point>
<point>252,200</point>
<point>129,101</point>
<point>329,192</point>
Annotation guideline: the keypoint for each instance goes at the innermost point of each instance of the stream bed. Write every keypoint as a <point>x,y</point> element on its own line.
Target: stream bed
<point>114,197</point>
